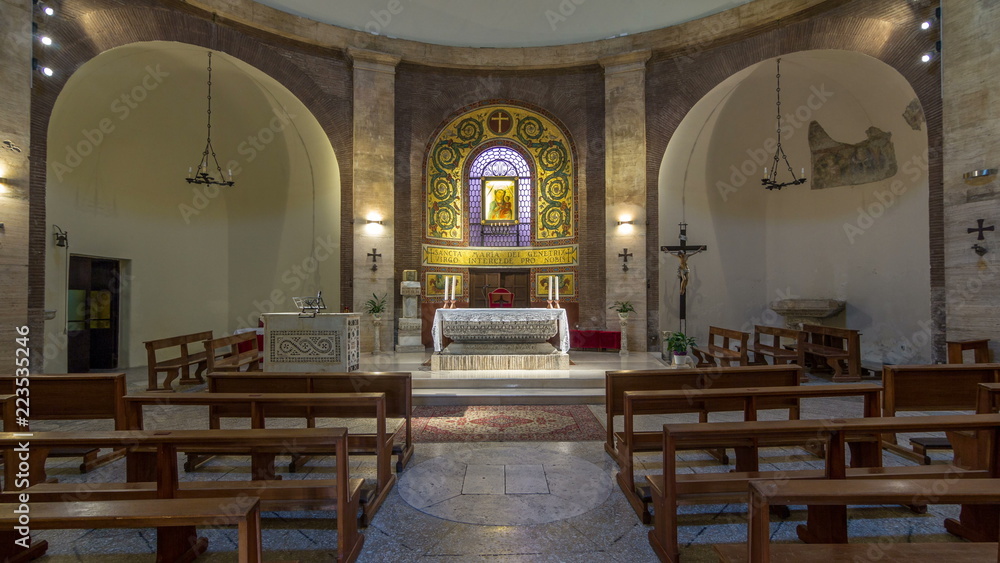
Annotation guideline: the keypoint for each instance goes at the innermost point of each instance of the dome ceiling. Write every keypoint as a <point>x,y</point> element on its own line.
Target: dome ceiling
<point>503,23</point>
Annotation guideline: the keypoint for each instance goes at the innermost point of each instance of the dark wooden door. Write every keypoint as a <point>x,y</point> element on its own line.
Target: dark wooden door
<point>485,281</point>
<point>92,322</point>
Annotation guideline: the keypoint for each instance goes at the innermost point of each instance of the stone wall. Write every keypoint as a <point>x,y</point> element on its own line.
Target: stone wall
<point>16,213</point>
<point>972,119</point>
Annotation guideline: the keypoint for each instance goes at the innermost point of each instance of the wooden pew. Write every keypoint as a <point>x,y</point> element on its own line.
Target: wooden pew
<point>929,388</point>
<point>223,353</point>
<point>164,514</point>
<point>341,493</point>
<point>749,400</point>
<point>179,366</point>
<point>397,386</point>
<point>75,396</point>
<point>764,494</point>
<point>760,350</point>
<point>825,525</point>
<point>258,406</point>
<point>834,345</point>
<point>7,408</point>
<point>616,383</point>
<point>731,348</point>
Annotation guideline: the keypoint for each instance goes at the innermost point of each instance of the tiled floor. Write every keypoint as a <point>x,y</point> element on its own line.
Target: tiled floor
<point>485,501</point>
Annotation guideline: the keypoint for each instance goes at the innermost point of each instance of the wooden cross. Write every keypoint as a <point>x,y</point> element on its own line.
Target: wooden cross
<point>624,255</point>
<point>683,252</point>
<point>981,228</point>
<point>375,256</point>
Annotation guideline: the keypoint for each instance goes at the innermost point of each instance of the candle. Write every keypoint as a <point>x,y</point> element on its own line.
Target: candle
<point>765,171</point>
<point>556,280</point>
<point>803,172</point>
<point>550,288</point>
<point>446,282</point>
<point>454,287</point>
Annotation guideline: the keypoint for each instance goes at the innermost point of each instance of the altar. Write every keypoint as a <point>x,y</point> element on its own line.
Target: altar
<point>500,339</point>
<point>324,342</point>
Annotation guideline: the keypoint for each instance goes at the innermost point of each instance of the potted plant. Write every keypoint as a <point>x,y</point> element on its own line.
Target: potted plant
<point>375,306</point>
<point>678,343</point>
<point>623,308</point>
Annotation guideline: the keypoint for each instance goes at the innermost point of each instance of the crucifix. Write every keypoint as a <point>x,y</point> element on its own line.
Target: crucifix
<point>375,256</point>
<point>624,255</point>
<point>683,252</point>
<point>981,228</point>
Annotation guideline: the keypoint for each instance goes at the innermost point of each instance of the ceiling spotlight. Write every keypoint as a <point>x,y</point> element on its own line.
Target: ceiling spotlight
<point>926,57</point>
<point>46,9</point>
<point>46,40</point>
<point>35,65</point>
<point>926,25</point>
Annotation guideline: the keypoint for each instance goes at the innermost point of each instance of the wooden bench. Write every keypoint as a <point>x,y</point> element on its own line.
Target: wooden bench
<point>397,386</point>
<point>825,525</point>
<point>930,388</point>
<point>179,366</point>
<point>259,406</point>
<point>834,345</point>
<point>75,396</point>
<point>764,494</point>
<point>169,516</point>
<point>224,353</point>
<point>779,352</point>
<point>732,348</point>
<point>749,400</point>
<point>617,383</point>
<point>341,493</point>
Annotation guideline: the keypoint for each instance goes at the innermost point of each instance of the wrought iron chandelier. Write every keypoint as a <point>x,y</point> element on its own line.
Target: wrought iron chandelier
<point>770,181</point>
<point>202,175</point>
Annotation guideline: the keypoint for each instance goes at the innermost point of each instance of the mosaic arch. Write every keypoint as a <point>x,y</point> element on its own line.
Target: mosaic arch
<point>545,141</point>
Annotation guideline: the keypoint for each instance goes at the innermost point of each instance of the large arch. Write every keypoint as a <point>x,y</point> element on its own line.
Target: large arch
<point>864,240</point>
<point>124,131</point>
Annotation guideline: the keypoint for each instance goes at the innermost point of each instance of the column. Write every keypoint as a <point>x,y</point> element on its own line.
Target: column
<point>625,179</point>
<point>15,126</point>
<point>374,174</point>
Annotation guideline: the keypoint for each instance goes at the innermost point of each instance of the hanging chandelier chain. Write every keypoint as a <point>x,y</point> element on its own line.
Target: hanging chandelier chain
<point>770,180</point>
<point>202,175</point>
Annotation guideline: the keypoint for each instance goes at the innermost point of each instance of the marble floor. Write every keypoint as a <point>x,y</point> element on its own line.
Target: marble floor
<point>490,501</point>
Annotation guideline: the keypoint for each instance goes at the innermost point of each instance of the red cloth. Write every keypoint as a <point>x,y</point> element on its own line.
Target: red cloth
<point>501,297</point>
<point>603,339</point>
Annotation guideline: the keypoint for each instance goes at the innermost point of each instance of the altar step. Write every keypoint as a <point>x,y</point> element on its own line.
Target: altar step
<point>508,391</point>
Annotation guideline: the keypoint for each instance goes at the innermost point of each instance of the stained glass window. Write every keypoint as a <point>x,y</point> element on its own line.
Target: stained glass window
<point>500,161</point>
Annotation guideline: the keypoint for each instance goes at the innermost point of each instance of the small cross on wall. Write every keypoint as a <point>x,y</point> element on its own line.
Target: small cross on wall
<point>625,255</point>
<point>979,229</point>
<point>375,256</point>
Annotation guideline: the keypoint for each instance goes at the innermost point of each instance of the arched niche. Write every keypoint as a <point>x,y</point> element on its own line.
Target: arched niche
<point>866,244</point>
<point>123,133</point>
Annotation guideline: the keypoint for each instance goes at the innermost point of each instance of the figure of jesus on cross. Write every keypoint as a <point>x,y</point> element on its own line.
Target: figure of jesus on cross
<point>682,253</point>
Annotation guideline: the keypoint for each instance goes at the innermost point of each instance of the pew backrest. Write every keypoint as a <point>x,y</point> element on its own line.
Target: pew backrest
<point>74,396</point>
<point>939,387</point>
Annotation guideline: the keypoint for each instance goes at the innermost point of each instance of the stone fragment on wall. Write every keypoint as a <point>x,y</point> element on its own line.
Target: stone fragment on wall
<point>844,164</point>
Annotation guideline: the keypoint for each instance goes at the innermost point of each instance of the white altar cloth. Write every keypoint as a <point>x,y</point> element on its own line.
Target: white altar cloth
<point>502,315</point>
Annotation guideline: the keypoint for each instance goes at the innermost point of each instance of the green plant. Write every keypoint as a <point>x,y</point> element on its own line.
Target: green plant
<point>678,342</point>
<point>623,307</point>
<point>375,305</point>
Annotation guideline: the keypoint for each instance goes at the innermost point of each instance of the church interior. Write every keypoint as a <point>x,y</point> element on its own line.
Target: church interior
<point>527,270</point>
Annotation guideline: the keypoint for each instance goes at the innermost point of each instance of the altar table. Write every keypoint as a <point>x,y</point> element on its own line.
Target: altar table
<point>506,318</point>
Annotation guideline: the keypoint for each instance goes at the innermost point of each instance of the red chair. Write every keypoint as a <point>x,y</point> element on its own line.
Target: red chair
<point>500,297</point>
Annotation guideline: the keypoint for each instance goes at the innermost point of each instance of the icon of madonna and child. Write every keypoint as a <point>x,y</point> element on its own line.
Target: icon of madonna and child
<point>499,200</point>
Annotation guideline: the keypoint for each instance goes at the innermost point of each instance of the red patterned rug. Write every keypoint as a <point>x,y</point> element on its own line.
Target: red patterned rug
<point>506,423</point>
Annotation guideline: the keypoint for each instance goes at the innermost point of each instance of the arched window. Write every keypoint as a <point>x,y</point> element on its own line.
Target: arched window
<point>494,162</point>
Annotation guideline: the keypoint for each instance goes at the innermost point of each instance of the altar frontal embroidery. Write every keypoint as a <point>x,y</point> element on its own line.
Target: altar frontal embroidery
<point>503,257</point>
<point>551,153</point>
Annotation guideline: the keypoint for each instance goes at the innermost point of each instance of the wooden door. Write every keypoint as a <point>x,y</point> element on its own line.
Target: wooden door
<point>92,321</point>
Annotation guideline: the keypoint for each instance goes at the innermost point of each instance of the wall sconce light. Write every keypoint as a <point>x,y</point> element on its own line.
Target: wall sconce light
<point>980,177</point>
<point>373,222</point>
<point>979,249</point>
<point>61,236</point>
<point>628,222</point>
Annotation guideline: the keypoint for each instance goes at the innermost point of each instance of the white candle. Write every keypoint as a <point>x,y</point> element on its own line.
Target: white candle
<point>447,280</point>
<point>550,288</point>
<point>556,280</point>
<point>454,287</point>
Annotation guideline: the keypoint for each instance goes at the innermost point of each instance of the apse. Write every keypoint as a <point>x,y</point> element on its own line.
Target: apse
<point>856,231</point>
<point>124,132</point>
